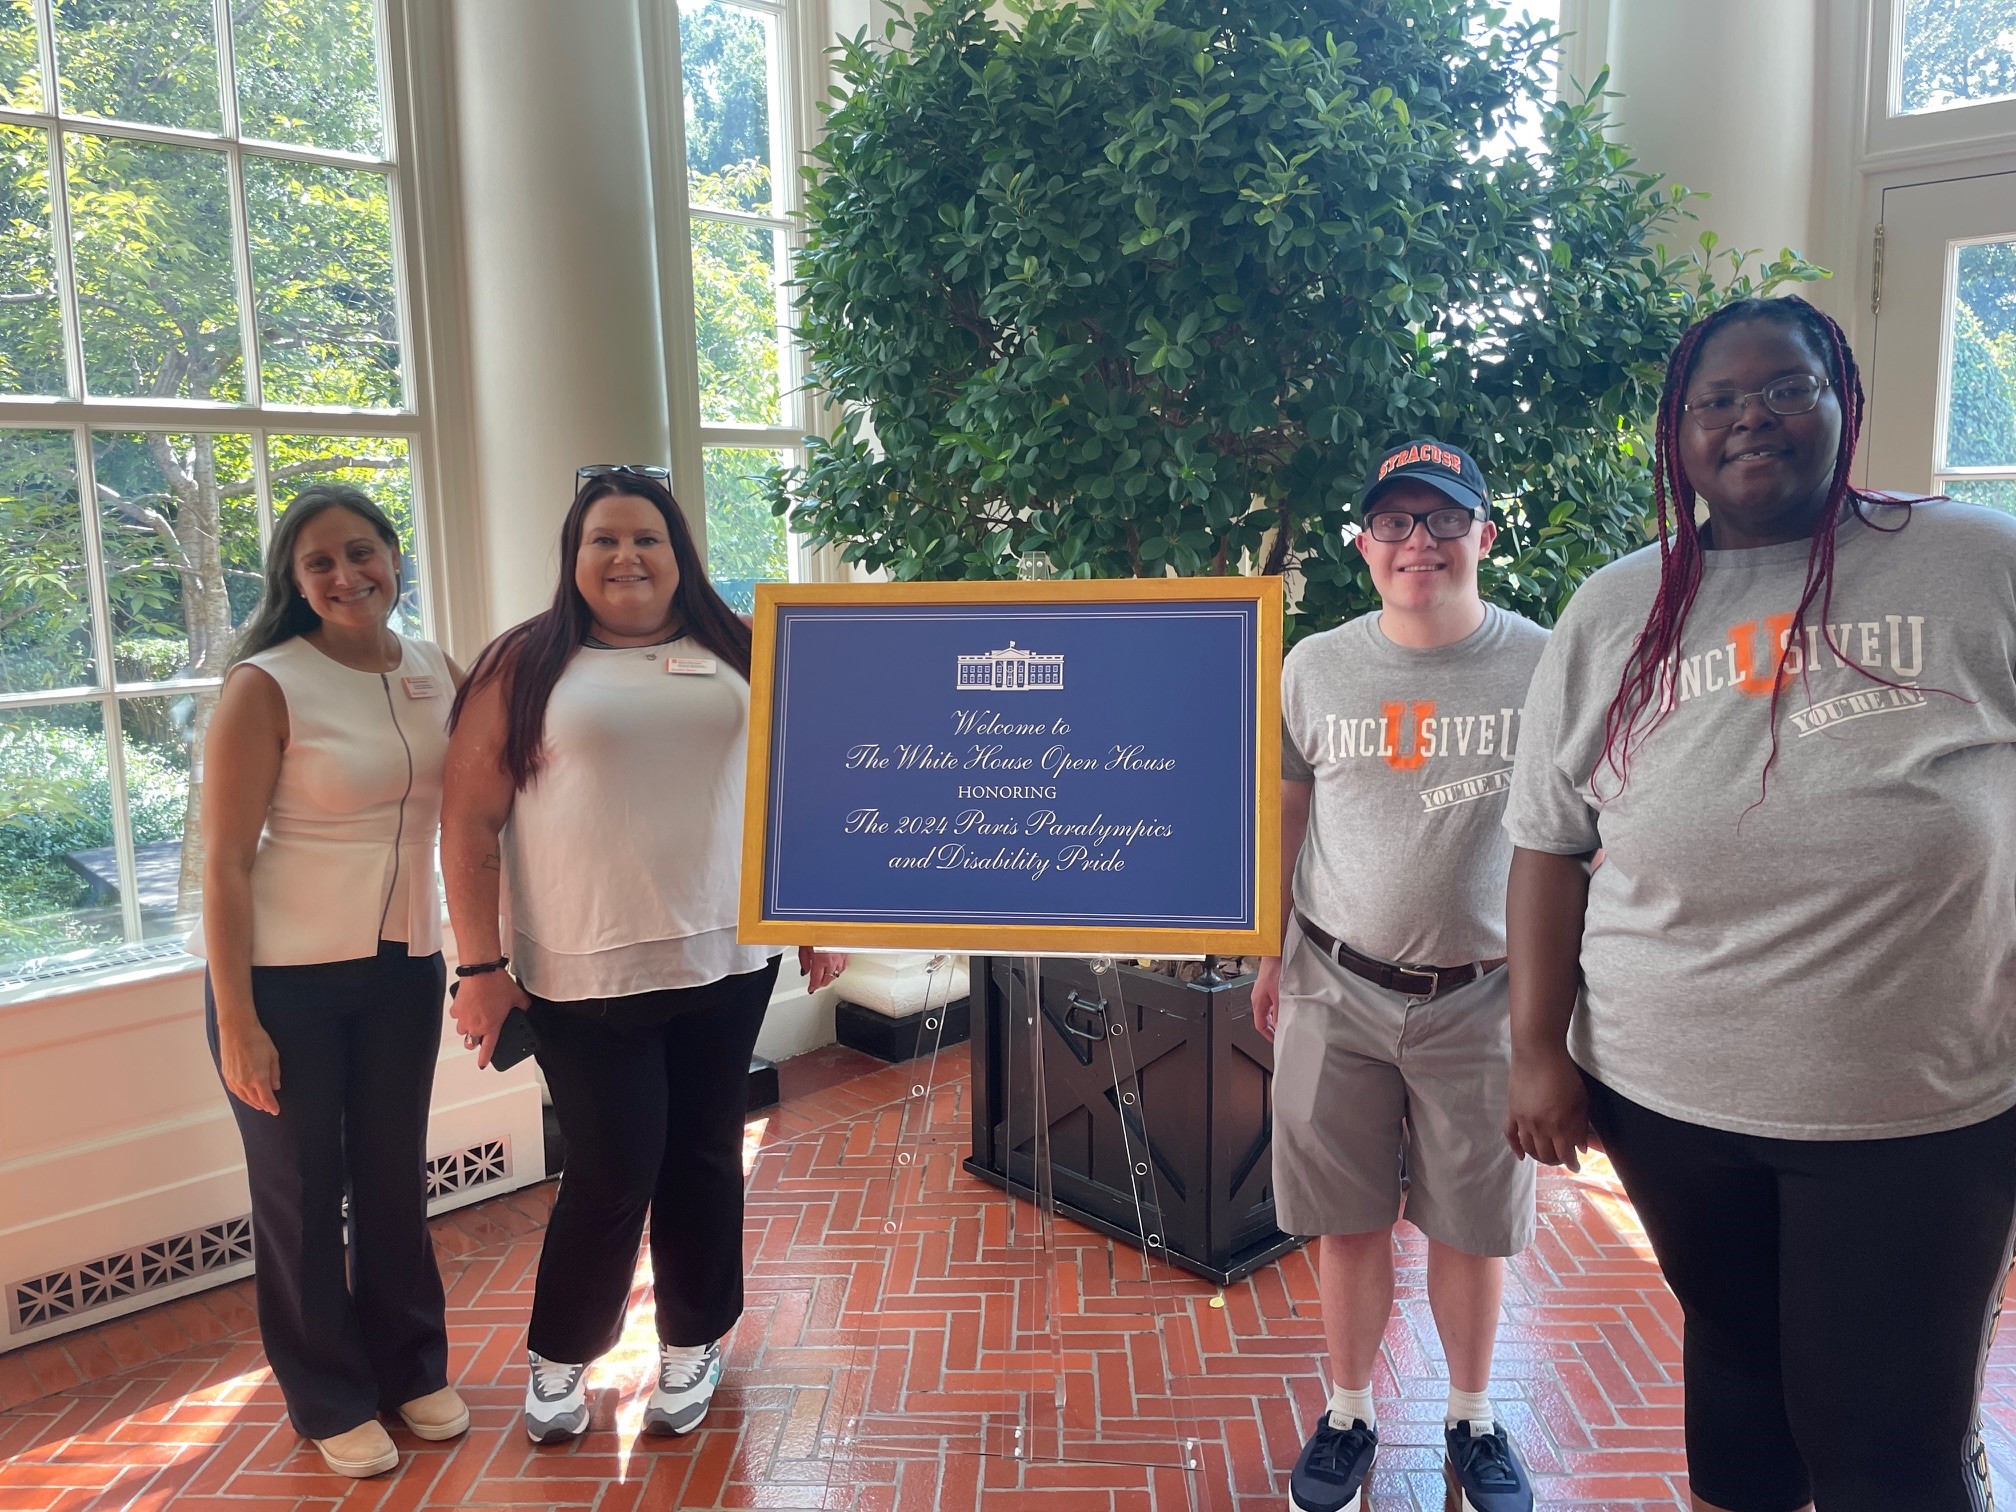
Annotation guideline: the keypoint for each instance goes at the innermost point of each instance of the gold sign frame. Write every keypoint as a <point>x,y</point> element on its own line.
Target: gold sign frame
<point>1021,939</point>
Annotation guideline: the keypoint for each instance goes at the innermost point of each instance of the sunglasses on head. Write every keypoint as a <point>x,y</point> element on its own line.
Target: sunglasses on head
<point>584,475</point>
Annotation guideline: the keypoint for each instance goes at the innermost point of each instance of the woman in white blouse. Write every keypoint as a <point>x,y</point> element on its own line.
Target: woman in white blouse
<point>321,923</point>
<point>597,761</point>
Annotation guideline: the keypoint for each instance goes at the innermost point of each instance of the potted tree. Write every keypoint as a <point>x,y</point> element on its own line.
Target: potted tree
<point>1126,287</point>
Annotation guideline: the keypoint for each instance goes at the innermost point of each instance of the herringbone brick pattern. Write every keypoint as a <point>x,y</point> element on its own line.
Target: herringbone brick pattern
<point>935,1334</point>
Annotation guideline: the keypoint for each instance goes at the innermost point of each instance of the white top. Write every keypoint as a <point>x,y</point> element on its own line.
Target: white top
<point>347,855</point>
<point>625,853</point>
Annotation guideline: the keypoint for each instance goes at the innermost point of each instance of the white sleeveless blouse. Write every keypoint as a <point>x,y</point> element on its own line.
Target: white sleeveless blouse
<point>346,858</point>
<point>624,855</point>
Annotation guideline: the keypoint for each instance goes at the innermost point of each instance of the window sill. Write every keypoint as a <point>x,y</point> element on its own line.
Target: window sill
<point>86,978</point>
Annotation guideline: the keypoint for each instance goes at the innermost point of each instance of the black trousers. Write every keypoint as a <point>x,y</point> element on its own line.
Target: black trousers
<point>650,1091</point>
<point>1838,1297</point>
<point>357,1042</point>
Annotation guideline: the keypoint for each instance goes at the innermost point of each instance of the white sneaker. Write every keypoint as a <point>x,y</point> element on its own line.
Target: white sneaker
<point>686,1382</point>
<point>556,1400</point>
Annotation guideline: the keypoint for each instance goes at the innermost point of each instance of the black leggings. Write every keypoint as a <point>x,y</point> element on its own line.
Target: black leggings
<point>346,1334</point>
<point>1838,1295</point>
<point>650,1091</point>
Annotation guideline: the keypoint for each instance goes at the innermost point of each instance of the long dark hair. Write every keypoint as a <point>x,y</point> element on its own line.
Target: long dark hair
<point>1649,674</point>
<point>282,613</point>
<point>529,658</point>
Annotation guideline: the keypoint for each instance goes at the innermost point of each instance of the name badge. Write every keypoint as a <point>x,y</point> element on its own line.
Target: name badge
<point>420,687</point>
<point>692,666</point>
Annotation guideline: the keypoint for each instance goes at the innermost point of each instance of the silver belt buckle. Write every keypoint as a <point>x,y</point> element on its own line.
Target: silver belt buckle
<point>1434,976</point>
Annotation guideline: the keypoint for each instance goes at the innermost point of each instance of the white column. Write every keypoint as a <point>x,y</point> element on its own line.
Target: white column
<point>1720,95</point>
<point>566,344</point>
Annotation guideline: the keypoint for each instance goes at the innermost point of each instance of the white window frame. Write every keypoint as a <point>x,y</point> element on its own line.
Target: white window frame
<point>1890,138</point>
<point>800,79</point>
<point>81,415</point>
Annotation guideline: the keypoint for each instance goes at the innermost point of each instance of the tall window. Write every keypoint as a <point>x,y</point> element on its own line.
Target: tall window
<point>199,315</point>
<point>1977,442</point>
<point>741,117</point>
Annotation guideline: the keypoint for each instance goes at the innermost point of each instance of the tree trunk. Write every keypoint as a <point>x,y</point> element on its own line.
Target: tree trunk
<point>206,614</point>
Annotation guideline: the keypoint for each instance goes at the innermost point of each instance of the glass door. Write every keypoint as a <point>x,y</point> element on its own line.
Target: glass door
<point>1942,378</point>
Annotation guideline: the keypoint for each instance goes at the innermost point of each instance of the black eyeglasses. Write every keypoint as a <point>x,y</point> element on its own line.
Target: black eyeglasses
<point>1797,395</point>
<point>621,469</point>
<point>1392,526</point>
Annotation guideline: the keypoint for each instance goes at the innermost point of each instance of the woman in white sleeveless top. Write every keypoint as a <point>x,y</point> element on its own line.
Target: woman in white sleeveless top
<point>321,923</point>
<point>597,761</point>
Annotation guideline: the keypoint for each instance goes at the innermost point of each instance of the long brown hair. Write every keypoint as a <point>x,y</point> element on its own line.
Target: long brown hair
<point>1648,674</point>
<point>282,613</point>
<point>529,658</point>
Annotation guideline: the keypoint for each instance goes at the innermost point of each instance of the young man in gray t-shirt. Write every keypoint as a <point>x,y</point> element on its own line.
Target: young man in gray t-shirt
<point>1388,1005</point>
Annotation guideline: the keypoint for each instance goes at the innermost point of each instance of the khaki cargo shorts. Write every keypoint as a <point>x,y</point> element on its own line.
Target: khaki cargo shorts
<point>1364,1079</point>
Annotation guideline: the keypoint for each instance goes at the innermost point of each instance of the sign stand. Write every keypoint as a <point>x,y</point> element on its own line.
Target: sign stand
<point>994,1333</point>
<point>1019,768</point>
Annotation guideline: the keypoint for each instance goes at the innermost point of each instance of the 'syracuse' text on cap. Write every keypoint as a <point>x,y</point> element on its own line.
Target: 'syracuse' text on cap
<point>1447,469</point>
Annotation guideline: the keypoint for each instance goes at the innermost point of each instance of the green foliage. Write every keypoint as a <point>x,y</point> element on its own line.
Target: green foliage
<point>332,104</point>
<point>743,541</point>
<point>159,297</point>
<point>724,74</point>
<point>735,306</point>
<point>55,800</point>
<point>1140,286</point>
<point>1981,417</point>
<point>1955,51</point>
<point>155,62</point>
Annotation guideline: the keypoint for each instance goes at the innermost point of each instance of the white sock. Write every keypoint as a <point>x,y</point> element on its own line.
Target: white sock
<point>1472,1407</point>
<point>1346,1404</point>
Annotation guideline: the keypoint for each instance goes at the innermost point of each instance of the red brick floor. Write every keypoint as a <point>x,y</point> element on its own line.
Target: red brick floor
<point>174,1406</point>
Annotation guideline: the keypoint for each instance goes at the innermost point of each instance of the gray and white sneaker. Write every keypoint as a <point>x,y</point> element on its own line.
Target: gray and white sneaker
<point>686,1382</point>
<point>556,1400</point>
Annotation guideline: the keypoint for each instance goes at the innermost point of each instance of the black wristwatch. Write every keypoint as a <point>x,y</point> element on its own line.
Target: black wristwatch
<point>483,968</point>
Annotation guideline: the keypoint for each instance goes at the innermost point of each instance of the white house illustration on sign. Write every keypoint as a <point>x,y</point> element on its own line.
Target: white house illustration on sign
<point>1012,670</point>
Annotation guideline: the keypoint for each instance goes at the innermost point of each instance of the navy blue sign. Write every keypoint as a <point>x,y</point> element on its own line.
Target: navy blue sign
<point>1039,766</point>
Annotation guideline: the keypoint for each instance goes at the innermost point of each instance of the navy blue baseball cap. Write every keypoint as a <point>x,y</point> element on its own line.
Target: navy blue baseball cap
<point>1447,469</point>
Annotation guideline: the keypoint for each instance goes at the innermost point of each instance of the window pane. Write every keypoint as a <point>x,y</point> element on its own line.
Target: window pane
<point>376,464</point>
<point>1957,52</point>
<point>179,523</point>
<point>746,544</point>
<point>57,891</point>
<point>725,64</point>
<point>31,315</point>
<point>45,612</point>
<point>735,313</point>
<point>160,739</point>
<point>153,62</point>
<point>335,103</point>
<point>1993,493</point>
<point>322,269</point>
<point>1981,391</point>
<point>155,282</point>
<point>20,60</point>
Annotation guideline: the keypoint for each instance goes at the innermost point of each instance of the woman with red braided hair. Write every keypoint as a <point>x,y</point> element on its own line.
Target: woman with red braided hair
<point>1785,1003</point>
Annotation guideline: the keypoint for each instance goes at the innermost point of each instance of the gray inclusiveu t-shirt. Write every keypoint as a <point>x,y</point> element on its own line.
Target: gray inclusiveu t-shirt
<point>1839,960</point>
<point>1410,752</point>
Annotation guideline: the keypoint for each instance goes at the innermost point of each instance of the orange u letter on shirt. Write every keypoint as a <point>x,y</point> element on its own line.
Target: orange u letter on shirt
<point>1744,638</point>
<point>1399,720</point>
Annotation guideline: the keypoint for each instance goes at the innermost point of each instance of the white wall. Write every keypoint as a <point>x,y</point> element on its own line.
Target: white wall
<point>117,1135</point>
<point>1722,95</point>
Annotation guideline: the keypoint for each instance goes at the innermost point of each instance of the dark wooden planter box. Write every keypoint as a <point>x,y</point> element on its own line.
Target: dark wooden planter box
<point>1205,1075</point>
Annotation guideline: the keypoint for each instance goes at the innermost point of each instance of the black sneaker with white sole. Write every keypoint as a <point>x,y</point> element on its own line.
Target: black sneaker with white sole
<point>685,1388</point>
<point>556,1400</point>
<point>1485,1472</point>
<point>1329,1476</point>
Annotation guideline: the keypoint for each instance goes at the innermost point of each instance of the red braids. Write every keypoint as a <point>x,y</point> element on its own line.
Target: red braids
<point>1651,671</point>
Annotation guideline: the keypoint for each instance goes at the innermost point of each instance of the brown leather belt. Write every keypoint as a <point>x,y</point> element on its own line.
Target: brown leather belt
<point>1423,982</point>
